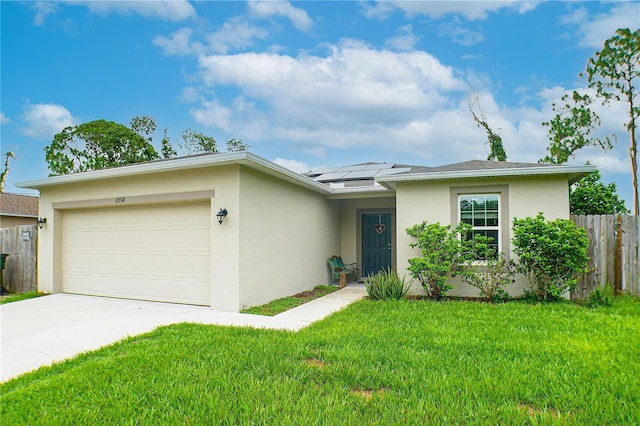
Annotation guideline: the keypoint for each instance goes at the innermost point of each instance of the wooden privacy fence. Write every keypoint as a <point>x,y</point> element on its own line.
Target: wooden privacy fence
<point>20,243</point>
<point>614,254</point>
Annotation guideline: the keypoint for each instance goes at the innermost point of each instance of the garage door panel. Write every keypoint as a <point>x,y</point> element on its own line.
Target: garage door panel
<point>157,253</point>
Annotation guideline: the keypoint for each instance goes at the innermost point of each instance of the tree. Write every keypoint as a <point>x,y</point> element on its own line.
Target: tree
<point>495,141</point>
<point>236,145</point>
<point>196,142</point>
<point>95,145</point>
<point>569,130</point>
<point>615,73</point>
<point>3,176</point>
<point>144,125</point>
<point>590,195</point>
<point>167,149</point>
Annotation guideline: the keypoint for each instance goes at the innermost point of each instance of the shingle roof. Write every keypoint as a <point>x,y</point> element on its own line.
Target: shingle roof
<point>476,165</point>
<point>18,205</point>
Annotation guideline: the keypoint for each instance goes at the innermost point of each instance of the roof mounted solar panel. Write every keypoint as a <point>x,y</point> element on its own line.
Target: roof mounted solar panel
<point>328,177</point>
<point>387,172</point>
<point>379,166</point>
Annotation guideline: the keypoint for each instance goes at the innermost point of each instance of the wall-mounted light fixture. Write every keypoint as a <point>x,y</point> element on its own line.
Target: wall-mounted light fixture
<point>41,222</point>
<point>221,215</point>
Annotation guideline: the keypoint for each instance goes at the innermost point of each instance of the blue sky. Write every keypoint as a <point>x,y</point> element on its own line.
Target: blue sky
<point>308,84</point>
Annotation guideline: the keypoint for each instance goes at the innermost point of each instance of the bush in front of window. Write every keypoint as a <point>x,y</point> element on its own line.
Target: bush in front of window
<point>444,254</point>
<point>491,276</point>
<point>387,285</point>
<point>551,253</point>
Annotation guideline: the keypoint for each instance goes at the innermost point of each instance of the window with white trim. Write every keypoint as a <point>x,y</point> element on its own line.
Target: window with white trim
<point>482,212</point>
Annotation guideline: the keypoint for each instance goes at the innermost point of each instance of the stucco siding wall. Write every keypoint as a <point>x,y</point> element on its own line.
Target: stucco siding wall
<point>431,201</point>
<point>223,180</point>
<point>286,234</point>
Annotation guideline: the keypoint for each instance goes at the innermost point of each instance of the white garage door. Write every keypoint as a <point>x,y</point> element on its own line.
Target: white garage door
<point>159,252</point>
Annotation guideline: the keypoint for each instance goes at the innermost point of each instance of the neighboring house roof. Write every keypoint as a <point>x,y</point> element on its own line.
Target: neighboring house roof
<point>339,181</point>
<point>18,205</point>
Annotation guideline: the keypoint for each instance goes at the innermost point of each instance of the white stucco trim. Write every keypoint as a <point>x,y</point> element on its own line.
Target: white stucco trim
<point>573,172</point>
<point>207,160</point>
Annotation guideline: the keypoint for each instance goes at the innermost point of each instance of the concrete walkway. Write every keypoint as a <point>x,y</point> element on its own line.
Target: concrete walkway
<point>44,330</point>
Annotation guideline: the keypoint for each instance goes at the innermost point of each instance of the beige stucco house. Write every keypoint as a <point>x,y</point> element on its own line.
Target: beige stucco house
<point>151,231</point>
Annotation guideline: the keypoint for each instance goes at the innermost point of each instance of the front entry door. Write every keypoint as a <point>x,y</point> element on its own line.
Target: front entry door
<point>376,243</point>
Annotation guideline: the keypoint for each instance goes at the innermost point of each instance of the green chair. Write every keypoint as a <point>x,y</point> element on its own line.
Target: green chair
<point>338,267</point>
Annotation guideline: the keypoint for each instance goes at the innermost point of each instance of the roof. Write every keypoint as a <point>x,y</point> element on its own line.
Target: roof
<point>18,205</point>
<point>480,168</point>
<point>182,163</point>
<point>364,179</point>
<point>478,165</point>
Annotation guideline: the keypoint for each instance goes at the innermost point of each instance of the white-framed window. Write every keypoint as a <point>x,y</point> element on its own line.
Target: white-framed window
<point>482,212</point>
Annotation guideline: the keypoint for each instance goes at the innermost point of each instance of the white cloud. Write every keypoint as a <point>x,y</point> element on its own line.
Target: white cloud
<point>294,165</point>
<point>404,39</point>
<point>471,10</point>
<point>45,120</point>
<point>167,10</point>
<point>4,119</point>
<point>235,34</point>
<point>379,10</point>
<point>179,43</point>
<point>461,34</point>
<point>42,9</point>
<point>593,31</point>
<point>354,97</point>
<point>266,9</point>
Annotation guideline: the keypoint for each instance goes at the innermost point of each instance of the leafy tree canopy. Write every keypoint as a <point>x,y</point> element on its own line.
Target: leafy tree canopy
<point>570,129</point>
<point>95,145</point>
<point>590,195</point>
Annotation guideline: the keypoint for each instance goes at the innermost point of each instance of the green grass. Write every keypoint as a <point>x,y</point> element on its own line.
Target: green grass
<point>394,362</point>
<point>280,305</point>
<point>19,296</point>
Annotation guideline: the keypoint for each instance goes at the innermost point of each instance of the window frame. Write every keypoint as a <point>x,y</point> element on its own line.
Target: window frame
<point>502,192</point>
<point>483,228</point>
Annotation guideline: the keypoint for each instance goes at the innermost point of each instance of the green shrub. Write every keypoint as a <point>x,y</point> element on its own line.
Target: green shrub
<point>387,285</point>
<point>551,253</point>
<point>443,255</point>
<point>600,296</point>
<point>491,276</point>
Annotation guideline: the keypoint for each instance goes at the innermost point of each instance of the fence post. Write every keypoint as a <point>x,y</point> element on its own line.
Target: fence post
<point>617,288</point>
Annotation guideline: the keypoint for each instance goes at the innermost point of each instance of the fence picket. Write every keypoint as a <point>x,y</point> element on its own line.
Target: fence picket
<point>20,242</point>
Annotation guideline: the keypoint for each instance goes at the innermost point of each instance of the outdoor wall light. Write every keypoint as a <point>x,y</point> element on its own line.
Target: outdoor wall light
<point>41,222</point>
<point>221,215</point>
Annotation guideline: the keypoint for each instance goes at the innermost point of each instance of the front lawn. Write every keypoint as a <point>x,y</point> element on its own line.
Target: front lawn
<point>402,362</point>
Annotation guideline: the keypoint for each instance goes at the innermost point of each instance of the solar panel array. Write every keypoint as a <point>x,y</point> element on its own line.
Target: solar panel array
<point>367,171</point>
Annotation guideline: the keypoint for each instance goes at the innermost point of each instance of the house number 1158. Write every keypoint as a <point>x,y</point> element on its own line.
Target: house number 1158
<point>120,200</point>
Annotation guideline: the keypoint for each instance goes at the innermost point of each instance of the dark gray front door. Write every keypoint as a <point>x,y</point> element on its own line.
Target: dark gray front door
<point>376,243</point>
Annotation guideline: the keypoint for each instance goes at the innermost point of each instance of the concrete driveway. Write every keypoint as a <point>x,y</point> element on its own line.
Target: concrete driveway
<point>52,328</point>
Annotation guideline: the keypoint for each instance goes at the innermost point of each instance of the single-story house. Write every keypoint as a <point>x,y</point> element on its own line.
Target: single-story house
<point>157,230</point>
<point>17,210</point>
